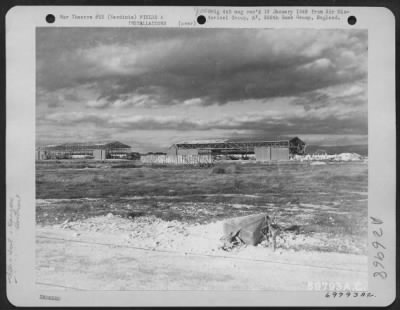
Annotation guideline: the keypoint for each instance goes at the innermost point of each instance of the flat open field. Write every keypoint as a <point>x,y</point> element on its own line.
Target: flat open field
<point>329,199</point>
<point>172,210</point>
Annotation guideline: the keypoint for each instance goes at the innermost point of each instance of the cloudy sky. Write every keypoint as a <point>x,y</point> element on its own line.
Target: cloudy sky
<point>150,88</point>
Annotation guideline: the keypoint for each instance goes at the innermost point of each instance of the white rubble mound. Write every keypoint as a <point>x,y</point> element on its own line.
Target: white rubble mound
<point>337,157</point>
<point>152,232</point>
<point>348,157</point>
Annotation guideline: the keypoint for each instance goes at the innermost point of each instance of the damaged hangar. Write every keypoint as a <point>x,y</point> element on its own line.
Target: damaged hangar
<point>264,150</point>
<point>92,150</point>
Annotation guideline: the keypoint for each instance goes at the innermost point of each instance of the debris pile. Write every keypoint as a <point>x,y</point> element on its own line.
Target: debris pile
<point>327,157</point>
<point>348,157</point>
<point>249,230</point>
<point>150,232</point>
<point>231,241</point>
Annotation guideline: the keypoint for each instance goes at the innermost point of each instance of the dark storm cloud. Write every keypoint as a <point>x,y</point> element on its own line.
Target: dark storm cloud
<point>259,83</point>
<point>171,66</point>
<point>348,96</point>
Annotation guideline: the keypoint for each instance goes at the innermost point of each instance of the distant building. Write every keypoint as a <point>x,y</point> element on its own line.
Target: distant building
<point>263,150</point>
<point>92,150</point>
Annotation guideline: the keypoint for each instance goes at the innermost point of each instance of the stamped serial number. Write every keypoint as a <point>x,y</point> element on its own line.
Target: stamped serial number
<point>349,294</point>
<point>379,257</point>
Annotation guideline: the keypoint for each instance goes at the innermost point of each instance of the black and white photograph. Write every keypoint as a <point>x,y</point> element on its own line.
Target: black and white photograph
<point>200,156</point>
<point>201,159</point>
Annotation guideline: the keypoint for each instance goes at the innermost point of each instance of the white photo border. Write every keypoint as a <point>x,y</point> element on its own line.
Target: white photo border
<point>21,24</point>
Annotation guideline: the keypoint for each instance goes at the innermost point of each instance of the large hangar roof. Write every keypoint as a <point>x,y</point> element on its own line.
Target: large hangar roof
<point>86,145</point>
<point>217,140</point>
<point>203,141</point>
<point>224,142</point>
